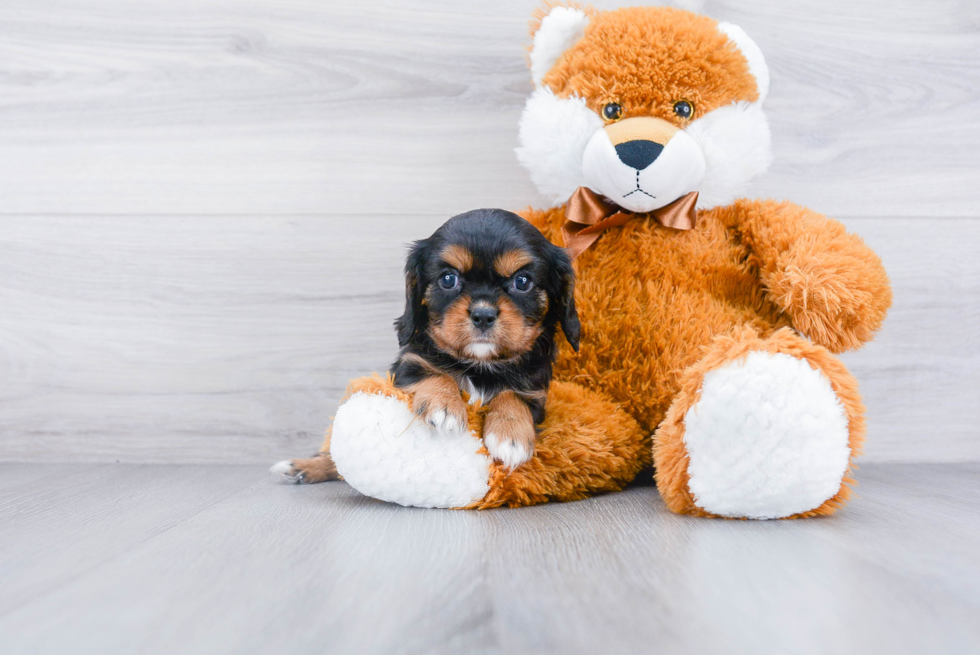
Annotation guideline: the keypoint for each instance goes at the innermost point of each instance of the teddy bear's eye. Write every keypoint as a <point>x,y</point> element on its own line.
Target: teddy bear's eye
<point>683,109</point>
<point>612,111</point>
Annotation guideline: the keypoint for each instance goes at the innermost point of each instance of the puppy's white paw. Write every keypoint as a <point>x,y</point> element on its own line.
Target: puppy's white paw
<point>444,422</point>
<point>509,452</point>
<point>287,472</point>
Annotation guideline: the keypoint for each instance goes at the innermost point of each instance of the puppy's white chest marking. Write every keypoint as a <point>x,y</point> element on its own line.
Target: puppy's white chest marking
<point>476,395</point>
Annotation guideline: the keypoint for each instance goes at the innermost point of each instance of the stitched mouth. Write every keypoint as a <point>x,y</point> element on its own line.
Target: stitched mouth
<point>638,189</point>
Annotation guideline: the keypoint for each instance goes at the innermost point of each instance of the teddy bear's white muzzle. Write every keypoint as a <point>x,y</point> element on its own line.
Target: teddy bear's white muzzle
<point>642,175</point>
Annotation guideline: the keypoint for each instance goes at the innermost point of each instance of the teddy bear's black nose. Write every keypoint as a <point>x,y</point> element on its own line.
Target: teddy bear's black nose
<point>639,153</point>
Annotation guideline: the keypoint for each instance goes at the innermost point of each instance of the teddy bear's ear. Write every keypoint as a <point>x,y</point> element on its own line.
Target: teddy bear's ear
<point>752,53</point>
<point>558,31</point>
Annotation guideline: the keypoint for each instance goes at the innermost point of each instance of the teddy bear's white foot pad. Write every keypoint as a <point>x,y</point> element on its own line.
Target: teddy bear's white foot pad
<point>385,451</point>
<point>767,438</point>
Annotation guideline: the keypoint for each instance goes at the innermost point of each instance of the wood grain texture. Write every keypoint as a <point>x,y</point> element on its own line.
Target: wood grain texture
<point>207,339</point>
<point>203,203</point>
<point>300,106</point>
<point>64,521</point>
<point>274,568</point>
<point>920,375</point>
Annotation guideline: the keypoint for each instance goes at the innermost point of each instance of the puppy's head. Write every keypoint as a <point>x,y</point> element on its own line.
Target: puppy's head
<point>486,286</point>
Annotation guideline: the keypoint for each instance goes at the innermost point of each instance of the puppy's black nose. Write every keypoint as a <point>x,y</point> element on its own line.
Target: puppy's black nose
<point>483,317</point>
<point>638,154</point>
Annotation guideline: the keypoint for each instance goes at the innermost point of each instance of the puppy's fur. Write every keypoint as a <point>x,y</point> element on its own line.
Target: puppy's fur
<point>484,295</point>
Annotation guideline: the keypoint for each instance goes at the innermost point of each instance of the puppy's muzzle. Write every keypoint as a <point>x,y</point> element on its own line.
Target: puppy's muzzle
<point>483,317</point>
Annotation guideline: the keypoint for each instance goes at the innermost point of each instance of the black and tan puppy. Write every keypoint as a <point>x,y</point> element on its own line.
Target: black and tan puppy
<point>484,295</point>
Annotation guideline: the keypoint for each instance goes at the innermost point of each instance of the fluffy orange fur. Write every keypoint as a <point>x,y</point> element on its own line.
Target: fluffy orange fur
<point>586,445</point>
<point>607,66</point>
<point>653,300</point>
<point>641,331</point>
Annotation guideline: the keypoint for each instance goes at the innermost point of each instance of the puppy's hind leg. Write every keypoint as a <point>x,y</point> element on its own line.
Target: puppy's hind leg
<point>318,468</point>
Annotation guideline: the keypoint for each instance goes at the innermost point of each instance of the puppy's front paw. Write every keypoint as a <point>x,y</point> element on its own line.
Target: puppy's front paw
<point>508,432</point>
<point>508,450</point>
<point>442,411</point>
<point>446,419</point>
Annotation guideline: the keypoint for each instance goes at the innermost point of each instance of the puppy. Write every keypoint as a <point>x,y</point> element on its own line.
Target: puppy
<point>484,295</point>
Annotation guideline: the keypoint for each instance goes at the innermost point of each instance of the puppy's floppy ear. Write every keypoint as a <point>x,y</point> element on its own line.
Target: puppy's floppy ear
<point>414,320</point>
<point>563,293</point>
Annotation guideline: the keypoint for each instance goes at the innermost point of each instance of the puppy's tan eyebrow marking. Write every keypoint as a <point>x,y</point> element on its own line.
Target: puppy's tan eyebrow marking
<point>511,261</point>
<point>458,257</point>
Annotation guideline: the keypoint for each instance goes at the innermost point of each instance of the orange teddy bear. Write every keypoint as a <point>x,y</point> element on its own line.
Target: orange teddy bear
<point>709,323</point>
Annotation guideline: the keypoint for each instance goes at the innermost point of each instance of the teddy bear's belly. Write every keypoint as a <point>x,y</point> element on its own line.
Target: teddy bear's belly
<point>647,311</point>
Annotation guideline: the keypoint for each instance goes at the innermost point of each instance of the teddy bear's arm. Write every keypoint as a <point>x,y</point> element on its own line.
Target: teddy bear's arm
<point>832,286</point>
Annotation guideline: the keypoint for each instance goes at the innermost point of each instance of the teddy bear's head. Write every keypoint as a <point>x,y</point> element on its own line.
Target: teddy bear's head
<point>644,105</point>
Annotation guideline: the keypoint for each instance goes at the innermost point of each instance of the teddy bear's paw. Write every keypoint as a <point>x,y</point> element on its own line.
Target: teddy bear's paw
<point>382,449</point>
<point>767,438</point>
<point>838,300</point>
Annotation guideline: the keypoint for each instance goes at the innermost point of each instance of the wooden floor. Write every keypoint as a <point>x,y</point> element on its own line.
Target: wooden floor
<point>119,558</point>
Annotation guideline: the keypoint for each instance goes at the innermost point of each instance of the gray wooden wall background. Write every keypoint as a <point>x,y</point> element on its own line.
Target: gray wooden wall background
<point>203,203</point>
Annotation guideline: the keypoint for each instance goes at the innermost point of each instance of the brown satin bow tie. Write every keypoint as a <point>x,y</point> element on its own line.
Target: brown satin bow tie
<point>587,215</point>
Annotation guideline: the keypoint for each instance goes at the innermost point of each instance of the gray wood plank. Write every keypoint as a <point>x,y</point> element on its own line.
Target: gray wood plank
<point>57,525</point>
<point>627,575</point>
<point>919,377</point>
<point>936,512</point>
<point>309,107</point>
<point>277,568</point>
<point>128,331</point>
<point>14,476</point>
<point>231,339</point>
<point>304,569</point>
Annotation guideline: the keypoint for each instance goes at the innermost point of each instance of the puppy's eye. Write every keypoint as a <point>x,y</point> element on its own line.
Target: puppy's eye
<point>612,111</point>
<point>449,281</point>
<point>523,283</point>
<point>683,109</point>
